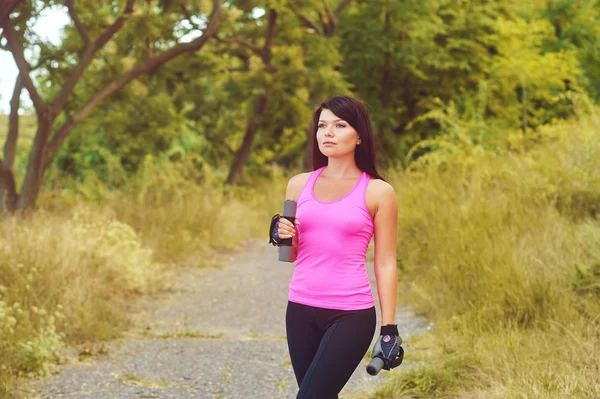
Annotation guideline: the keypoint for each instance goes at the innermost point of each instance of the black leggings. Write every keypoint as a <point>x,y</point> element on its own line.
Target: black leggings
<point>326,346</point>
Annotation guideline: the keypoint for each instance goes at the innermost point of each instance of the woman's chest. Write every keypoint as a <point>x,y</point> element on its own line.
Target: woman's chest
<point>328,219</point>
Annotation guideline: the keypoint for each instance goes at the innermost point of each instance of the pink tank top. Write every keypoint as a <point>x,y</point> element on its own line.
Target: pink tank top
<point>333,238</point>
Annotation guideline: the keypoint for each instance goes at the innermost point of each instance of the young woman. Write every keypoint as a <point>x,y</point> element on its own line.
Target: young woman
<point>330,316</point>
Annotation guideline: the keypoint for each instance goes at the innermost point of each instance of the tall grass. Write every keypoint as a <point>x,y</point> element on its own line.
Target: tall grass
<point>69,273</point>
<point>184,217</point>
<point>502,253</point>
<point>65,280</point>
<point>182,213</point>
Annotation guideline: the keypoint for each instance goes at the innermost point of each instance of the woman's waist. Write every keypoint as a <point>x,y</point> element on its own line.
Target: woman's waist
<point>334,277</point>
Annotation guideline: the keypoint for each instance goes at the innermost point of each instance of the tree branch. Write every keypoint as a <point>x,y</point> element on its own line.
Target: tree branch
<point>330,16</point>
<point>309,22</point>
<point>8,190</point>
<point>188,16</point>
<point>238,40</point>
<point>88,55</point>
<point>24,68</point>
<point>13,125</point>
<point>115,27</point>
<point>241,56</point>
<point>328,23</point>
<point>147,67</point>
<point>82,32</point>
<point>269,35</point>
<point>340,8</point>
<point>6,9</point>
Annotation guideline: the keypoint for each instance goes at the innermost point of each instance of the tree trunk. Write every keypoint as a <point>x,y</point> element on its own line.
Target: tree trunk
<point>327,32</point>
<point>7,8</point>
<point>8,193</point>
<point>524,97</point>
<point>36,165</point>
<point>259,108</point>
<point>42,149</point>
<point>242,155</point>
<point>10,146</point>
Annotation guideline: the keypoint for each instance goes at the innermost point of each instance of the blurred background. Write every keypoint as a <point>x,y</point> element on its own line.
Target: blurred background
<point>153,125</point>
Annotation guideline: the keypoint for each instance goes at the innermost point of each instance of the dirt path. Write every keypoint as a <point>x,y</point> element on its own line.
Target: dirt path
<point>218,334</point>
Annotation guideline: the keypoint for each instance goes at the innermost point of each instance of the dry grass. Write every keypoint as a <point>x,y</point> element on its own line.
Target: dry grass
<point>502,253</point>
<point>66,279</point>
<point>71,272</point>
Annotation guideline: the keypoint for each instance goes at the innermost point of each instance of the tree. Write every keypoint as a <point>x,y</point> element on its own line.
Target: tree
<point>97,27</point>
<point>288,73</point>
<point>260,103</point>
<point>325,30</point>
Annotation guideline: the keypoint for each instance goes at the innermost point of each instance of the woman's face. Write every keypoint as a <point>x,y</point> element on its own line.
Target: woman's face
<point>334,130</point>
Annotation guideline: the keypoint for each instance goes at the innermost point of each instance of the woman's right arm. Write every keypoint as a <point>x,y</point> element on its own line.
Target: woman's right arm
<point>295,185</point>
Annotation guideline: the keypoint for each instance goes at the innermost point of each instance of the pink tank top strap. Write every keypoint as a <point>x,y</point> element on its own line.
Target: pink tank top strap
<point>359,193</point>
<point>308,186</point>
<point>364,182</point>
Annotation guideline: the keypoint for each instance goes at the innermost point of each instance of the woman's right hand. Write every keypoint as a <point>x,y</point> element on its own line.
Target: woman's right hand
<point>287,230</point>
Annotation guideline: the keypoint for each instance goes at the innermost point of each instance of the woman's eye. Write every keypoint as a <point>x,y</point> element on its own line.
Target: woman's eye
<point>341,125</point>
<point>321,126</point>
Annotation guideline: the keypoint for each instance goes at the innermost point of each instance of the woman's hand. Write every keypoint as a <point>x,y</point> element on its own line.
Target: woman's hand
<point>287,229</point>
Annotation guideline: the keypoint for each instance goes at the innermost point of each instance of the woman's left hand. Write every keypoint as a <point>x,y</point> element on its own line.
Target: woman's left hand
<point>387,347</point>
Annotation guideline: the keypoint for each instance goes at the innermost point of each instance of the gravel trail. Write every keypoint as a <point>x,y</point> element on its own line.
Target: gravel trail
<point>218,333</point>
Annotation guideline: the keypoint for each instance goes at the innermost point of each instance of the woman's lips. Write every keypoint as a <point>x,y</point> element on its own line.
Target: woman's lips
<point>328,143</point>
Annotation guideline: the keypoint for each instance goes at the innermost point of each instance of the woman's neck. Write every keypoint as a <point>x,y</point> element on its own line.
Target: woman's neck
<point>342,169</point>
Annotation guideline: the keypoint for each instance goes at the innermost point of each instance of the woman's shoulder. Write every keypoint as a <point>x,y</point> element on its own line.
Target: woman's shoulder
<point>381,187</point>
<point>296,184</point>
<point>379,193</point>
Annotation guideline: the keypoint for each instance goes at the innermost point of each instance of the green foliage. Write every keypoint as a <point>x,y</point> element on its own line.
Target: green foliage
<point>139,125</point>
<point>494,60</point>
<point>505,66</point>
<point>575,25</point>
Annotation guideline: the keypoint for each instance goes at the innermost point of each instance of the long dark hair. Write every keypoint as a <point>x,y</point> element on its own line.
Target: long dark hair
<point>355,113</point>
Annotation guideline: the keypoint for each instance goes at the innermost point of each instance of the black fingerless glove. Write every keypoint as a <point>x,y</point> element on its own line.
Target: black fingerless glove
<point>387,347</point>
<point>274,231</point>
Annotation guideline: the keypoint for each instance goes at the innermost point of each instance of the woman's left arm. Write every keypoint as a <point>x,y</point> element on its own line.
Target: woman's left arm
<point>385,235</point>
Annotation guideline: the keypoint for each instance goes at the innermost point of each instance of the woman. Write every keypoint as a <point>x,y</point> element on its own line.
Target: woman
<point>330,316</point>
